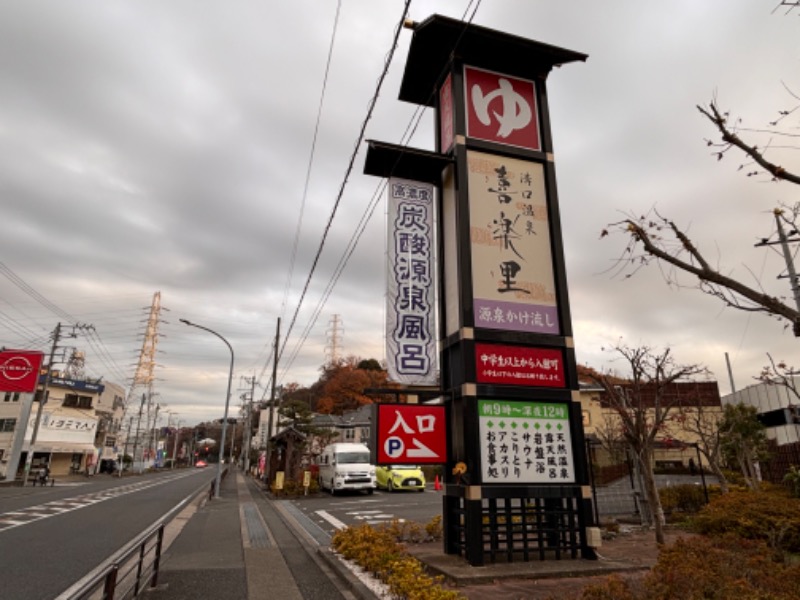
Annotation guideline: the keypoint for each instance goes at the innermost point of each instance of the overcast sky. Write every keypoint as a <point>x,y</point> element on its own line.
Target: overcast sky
<point>165,147</point>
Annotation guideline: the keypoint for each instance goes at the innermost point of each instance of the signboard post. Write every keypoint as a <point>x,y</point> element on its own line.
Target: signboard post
<point>514,442</point>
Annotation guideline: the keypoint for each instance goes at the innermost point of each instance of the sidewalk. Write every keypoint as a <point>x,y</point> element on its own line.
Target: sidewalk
<point>238,546</point>
<point>245,545</point>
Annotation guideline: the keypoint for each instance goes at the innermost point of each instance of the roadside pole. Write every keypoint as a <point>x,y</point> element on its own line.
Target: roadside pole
<point>42,400</point>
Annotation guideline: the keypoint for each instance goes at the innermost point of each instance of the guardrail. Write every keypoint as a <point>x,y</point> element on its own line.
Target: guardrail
<point>133,568</point>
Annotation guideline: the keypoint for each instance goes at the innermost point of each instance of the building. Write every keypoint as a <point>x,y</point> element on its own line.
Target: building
<point>676,443</point>
<point>777,409</point>
<point>79,425</point>
<point>68,424</point>
<point>110,437</point>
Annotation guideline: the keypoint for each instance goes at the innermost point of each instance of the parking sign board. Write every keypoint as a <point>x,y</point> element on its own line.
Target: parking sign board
<point>409,434</point>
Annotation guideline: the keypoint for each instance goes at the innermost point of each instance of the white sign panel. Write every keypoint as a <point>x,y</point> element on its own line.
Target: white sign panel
<point>512,263</point>
<point>525,442</point>
<point>410,341</point>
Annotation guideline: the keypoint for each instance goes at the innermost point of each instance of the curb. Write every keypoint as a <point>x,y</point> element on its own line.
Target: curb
<point>345,575</point>
<point>323,554</point>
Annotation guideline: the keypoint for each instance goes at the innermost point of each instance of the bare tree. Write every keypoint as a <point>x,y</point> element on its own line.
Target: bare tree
<point>781,374</point>
<point>654,238</point>
<point>644,405</point>
<point>703,422</point>
<point>657,239</point>
<point>610,435</point>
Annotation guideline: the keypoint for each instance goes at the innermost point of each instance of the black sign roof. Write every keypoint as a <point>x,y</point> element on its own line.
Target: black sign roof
<point>437,40</point>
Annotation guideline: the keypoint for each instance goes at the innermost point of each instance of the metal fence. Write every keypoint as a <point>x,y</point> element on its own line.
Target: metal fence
<point>131,570</point>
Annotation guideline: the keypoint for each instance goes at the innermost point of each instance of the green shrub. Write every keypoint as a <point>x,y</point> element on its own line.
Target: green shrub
<point>377,551</point>
<point>792,481</point>
<point>722,567</point>
<point>686,498</point>
<point>434,528</point>
<point>704,568</point>
<point>771,515</point>
<point>613,588</point>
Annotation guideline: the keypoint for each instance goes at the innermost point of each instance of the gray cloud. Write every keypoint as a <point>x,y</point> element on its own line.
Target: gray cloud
<point>164,147</point>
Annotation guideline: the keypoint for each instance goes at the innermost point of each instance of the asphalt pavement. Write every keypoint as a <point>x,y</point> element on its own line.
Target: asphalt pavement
<point>239,546</point>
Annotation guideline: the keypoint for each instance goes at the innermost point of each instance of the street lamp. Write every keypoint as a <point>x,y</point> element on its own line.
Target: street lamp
<point>227,402</point>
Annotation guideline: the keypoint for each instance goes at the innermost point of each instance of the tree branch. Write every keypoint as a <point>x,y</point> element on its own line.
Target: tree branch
<point>700,268</point>
<point>731,139</point>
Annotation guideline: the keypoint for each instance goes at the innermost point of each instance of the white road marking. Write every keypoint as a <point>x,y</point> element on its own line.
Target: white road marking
<point>331,519</point>
<point>10,519</point>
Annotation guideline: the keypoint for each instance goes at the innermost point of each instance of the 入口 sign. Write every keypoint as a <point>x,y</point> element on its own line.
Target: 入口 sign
<point>409,434</point>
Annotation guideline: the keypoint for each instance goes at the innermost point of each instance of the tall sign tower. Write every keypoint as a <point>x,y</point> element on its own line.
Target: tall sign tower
<point>517,482</point>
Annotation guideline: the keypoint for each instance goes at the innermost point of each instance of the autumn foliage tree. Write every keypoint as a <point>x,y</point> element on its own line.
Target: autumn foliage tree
<point>342,385</point>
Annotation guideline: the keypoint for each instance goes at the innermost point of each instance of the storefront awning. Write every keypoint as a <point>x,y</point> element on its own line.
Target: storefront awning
<point>64,447</point>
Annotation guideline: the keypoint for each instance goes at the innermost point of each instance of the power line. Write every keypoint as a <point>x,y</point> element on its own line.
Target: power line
<point>349,169</point>
<point>408,134</point>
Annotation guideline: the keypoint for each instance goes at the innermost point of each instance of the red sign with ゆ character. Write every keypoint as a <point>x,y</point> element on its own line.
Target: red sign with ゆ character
<point>19,370</point>
<point>410,434</point>
<point>501,109</point>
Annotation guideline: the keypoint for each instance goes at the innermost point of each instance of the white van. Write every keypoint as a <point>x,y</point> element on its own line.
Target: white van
<point>345,466</point>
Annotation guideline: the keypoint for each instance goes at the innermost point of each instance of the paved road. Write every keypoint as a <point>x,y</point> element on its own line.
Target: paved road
<point>324,514</point>
<point>51,537</point>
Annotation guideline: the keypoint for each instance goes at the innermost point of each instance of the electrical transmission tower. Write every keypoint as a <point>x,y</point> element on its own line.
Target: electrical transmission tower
<point>145,367</point>
<point>335,333</point>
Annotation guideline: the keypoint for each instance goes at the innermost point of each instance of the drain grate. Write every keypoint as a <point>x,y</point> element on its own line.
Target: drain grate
<point>255,527</point>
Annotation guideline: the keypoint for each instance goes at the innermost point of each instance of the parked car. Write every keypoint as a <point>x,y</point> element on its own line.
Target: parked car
<point>344,466</point>
<point>400,477</point>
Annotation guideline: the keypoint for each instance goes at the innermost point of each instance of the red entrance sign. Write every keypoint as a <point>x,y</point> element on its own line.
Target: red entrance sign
<point>410,434</point>
<point>501,109</point>
<point>519,365</point>
<point>19,370</point>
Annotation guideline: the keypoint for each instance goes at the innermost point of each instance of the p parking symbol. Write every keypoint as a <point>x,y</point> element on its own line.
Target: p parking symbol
<point>394,447</point>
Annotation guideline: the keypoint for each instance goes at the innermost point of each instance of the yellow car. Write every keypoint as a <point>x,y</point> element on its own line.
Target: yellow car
<point>400,477</point>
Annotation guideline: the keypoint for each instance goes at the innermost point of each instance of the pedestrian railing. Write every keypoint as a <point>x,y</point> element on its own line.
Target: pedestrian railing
<point>131,570</point>
<point>127,573</point>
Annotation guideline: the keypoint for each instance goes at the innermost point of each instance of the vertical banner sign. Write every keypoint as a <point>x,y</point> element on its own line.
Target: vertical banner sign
<point>19,370</point>
<point>410,343</point>
<point>525,442</point>
<point>512,265</point>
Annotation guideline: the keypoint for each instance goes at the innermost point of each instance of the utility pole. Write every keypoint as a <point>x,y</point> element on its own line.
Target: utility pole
<point>233,444</point>
<point>152,434</point>
<point>175,444</point>
<point>247,438</point>
<point>125,448</point>
<point>42,400</point>
<point>138,424</point>
<point>272,398</point>
<point>783,240</point>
